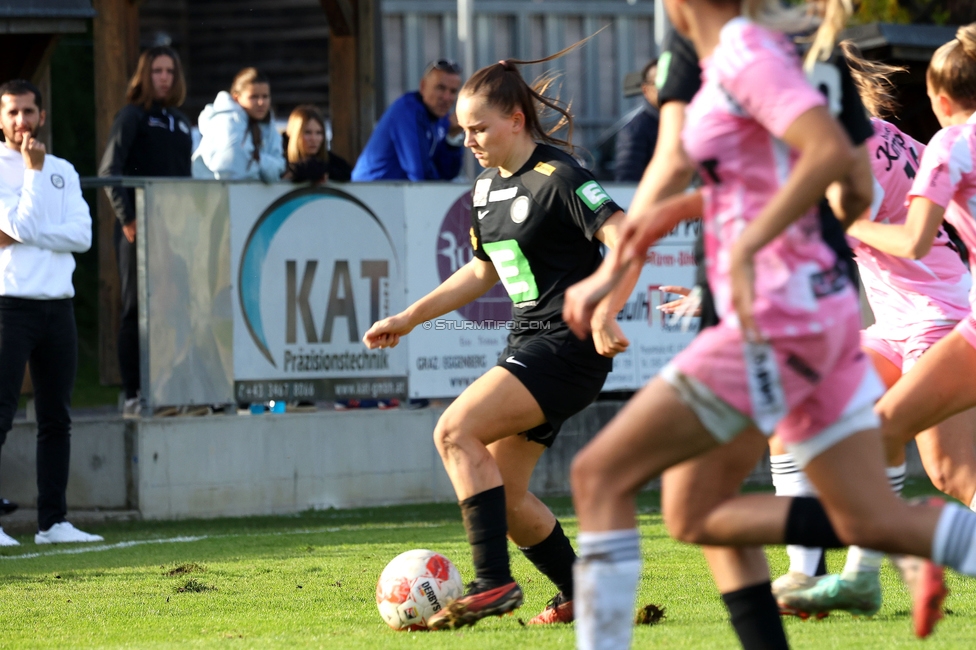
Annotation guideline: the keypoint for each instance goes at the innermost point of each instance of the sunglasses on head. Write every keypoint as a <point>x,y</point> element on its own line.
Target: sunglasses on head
<point>444,65</point>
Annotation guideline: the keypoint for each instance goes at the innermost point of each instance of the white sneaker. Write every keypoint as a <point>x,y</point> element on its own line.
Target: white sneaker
<point>7,540</point>
<point>65,533</point>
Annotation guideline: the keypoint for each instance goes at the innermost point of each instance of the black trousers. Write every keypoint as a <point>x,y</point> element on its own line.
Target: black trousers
<point>43,333</point>
<point>125,255</point>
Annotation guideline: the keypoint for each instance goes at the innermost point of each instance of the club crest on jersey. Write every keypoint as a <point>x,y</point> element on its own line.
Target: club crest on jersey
<point>480,197</point>
<point>57,180</point>
<point>520,209</point>
<point>593,195</point>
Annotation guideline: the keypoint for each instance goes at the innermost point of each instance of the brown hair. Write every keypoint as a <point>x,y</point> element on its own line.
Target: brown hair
<point>873,81</point>
<point>953,67</point>
<point>243,79</point>
<point>140,91</point>
<point>503,88</point>
<point>296,124</point>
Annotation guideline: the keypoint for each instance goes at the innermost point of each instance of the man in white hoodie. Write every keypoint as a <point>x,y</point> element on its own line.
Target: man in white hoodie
<point>43,220</point>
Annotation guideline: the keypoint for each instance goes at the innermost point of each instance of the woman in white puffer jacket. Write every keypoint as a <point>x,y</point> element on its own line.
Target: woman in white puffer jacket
<point>238,137</point>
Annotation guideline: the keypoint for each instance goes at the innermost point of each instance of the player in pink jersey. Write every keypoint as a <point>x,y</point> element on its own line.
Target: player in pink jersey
<point>779,356</point>
<point>945,187</point>
<point>916,303</point>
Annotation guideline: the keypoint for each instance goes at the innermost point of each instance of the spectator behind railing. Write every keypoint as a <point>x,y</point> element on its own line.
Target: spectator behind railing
<point>636,141</point>
<point>149,137</point>
<point>418,137</point>
<point>309,158</point>
<point>239,140</point>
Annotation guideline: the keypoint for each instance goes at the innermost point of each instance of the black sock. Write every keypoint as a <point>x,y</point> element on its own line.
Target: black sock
<point>755,617</point>
<point>822,564</point>
<point>554,557</point>
<point>807,524</point>
<point>485,523</point>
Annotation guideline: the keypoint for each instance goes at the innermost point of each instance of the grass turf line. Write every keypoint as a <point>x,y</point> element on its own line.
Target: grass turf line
<point>309,580</point>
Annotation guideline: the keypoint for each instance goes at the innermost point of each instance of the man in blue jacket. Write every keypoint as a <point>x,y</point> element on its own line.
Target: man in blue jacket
<point>636,141</point>
<point>418,137</point>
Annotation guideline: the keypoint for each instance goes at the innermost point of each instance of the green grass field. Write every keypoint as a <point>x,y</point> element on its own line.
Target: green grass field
<point>308,581</point>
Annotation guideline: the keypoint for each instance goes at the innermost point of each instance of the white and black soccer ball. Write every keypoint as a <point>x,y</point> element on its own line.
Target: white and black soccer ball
<point>414,586</point>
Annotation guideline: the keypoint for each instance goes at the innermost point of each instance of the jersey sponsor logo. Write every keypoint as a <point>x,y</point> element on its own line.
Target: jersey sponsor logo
<point>502,195</point>
<point>481,214</point>
<point>520,209</point>
<point>57,180</point>
<point>765,388</point>
<point>480,197</point>
<point>663,66</point>
<point>513,269</point>
<point>545,169</point>
<point>593,195</point>
<point>516,362</point>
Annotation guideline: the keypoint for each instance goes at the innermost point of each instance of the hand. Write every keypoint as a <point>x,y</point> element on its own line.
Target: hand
<point>6,240</point>
<point>386,333</point>
<point>608,338</point>
<point>686,305</point>
<point>129,231</point>
<point>743,280</point>
<point>581,300</point>
<point>33,151</point>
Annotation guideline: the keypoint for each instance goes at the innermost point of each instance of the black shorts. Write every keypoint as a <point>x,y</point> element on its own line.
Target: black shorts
<point>562,373</point>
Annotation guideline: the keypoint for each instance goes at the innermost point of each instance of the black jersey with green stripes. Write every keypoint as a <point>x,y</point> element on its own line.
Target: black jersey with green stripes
<point>537,227</point>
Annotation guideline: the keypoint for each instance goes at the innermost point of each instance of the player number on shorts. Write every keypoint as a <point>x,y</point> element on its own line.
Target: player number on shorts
<point>513,269</point>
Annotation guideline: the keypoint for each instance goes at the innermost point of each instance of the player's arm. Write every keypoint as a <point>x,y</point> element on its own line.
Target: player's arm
<point>826,154</point>
<point>913,239</point>
<point>468,283</point>
<point>851,196</point>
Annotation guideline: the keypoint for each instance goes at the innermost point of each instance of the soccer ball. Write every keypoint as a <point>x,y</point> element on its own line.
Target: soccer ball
<point>414,586</point>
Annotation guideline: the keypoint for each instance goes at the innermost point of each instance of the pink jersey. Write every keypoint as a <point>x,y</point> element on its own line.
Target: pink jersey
<point>947,177</point>
<point>905,293</point>
<point>753,89</point>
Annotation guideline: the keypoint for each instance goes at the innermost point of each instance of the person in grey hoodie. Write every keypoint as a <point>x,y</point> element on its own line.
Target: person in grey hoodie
<point>238,137</point>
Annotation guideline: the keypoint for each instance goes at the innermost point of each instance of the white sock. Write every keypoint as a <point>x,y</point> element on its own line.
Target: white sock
<point>790,481</point>
<point>861,560</point>
<point>605,575</point>
<point>864,560</point>
<point>954,543</point>
<point>896,477</point>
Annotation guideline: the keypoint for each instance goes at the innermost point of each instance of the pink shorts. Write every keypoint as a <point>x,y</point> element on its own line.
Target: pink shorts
<point>802,387</point>
<point>967,328</point>
<point>905,353</point>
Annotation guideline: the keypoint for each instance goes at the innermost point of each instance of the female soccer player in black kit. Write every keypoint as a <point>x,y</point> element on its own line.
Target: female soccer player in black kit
<point>537,221</point>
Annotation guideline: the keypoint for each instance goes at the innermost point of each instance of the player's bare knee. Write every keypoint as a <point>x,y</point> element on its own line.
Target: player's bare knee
<point>681,526</point>
<point>447,433</point>
<point>583,476</point>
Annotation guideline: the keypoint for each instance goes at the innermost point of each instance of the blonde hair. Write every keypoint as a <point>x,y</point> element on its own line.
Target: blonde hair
<point>296,124</point>
<point>953,67</point>
<point>873,81</point>
<point>830,16</point>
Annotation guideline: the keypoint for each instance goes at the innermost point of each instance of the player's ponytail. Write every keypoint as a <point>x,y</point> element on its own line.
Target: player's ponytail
<point>830,15</point>
<point>873,81</point>
<point>504,89</point>
<point>953,68</point>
